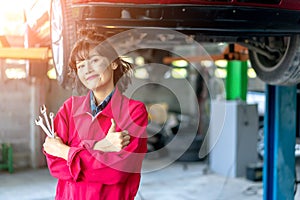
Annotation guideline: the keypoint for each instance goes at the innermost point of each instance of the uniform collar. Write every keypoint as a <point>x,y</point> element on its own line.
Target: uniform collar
<point>82,105</point>
<point>95,109</point>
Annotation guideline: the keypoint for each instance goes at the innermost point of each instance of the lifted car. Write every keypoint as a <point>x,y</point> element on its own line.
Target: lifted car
<point>270,29</point>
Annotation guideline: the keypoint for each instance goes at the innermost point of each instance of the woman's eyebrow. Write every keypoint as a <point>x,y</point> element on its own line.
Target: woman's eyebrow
<point>80,62</point>
<point>95,55</point>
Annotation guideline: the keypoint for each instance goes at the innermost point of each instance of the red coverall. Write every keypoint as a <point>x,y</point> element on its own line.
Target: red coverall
<point>89,174</point>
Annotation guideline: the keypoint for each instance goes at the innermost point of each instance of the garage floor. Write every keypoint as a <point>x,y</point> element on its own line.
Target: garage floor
<point>178,181</point>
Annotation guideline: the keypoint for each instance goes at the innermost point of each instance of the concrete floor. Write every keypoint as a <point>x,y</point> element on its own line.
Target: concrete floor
<point>193,181</point>
<point>177,181</point>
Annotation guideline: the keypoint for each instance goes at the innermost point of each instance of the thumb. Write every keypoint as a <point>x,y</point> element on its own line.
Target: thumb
<point>113,126</point>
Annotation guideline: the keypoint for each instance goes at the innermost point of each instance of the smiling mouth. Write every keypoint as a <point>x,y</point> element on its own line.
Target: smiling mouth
<point>92,77</point>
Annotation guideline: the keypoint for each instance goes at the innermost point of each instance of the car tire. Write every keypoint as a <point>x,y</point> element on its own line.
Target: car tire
<point>63,37</point>
<point>283,69</point>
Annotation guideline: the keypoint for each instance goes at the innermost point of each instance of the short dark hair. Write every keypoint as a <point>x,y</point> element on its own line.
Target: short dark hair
<point>122,75</point>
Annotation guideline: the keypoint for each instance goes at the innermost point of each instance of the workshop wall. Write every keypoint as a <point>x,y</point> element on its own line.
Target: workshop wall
<point>20,104</point>
<point>15,115</point>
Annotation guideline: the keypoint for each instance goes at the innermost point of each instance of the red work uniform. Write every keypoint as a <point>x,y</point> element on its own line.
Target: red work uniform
<point>89,174</point>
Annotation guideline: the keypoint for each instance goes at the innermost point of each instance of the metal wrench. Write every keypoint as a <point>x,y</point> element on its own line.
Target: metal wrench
<point>51,115</point>
<point>44,113</point>
<point>40,123</point>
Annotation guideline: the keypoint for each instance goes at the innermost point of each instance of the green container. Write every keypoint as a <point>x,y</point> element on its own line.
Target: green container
<point>236,80</point>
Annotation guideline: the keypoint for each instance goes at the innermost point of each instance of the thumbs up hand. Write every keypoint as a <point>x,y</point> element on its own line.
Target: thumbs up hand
<point>112,126</point>
<point>114,141</point>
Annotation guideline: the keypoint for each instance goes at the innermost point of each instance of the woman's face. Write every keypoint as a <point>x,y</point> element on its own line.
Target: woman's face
<point>96,72</point>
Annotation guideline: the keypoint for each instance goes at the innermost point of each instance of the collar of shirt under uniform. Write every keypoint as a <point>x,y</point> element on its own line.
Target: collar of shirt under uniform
<point>96,109</point>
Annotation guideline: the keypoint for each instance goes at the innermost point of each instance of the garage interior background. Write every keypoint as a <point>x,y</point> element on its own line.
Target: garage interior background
<point>34,87</point>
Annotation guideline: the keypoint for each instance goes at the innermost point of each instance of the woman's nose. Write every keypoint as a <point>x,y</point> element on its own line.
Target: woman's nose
<point>88,66</point>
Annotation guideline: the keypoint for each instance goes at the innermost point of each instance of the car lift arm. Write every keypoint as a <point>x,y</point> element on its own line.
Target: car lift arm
<point>25,53</point>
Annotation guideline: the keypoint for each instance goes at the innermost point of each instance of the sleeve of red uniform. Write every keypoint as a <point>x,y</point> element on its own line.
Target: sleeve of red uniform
<point>57,166</point>
<point>110,168</point>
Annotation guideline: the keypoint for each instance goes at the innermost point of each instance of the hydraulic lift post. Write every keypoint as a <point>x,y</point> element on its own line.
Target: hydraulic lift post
<point>279,141</point>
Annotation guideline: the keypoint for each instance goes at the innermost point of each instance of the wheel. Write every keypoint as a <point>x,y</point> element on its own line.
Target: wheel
<point>63,36</point>
<point>276,60</point>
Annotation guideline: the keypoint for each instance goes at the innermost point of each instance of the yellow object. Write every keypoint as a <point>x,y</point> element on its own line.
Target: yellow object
<point>25,53</point>
<point>158,113</point>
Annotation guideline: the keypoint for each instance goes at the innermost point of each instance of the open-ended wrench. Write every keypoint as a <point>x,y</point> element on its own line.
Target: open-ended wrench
<point>51,115</point>
<point>44,113</point>
<point>40,123</point>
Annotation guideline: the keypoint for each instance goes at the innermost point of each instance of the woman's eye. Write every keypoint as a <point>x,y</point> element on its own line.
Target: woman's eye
<point>94,60</point>
<point>79,66</point>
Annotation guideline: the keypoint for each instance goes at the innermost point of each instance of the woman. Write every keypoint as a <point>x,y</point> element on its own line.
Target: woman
<point>100,138</point>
